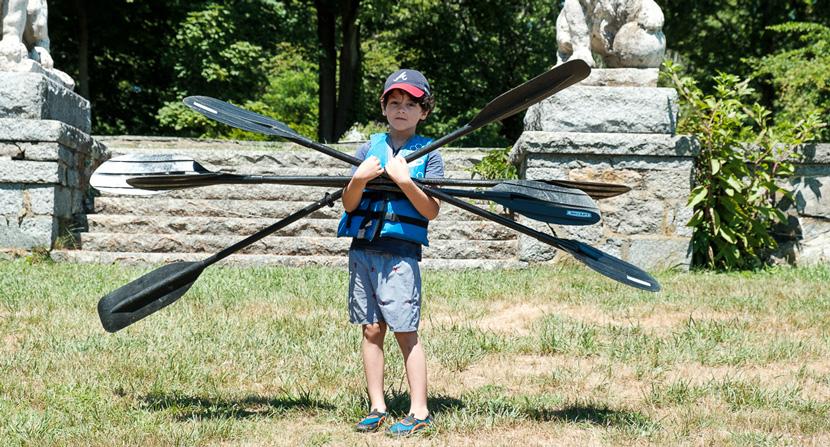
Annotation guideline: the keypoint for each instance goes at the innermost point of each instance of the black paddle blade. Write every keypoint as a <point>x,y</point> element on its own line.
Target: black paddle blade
<point>244,119</point>
<point>610,266</point>
<point>180,181</point>
<point>549,203</point>
<point>147,294</point>
<point>531,92</point>
<point>594,189</point>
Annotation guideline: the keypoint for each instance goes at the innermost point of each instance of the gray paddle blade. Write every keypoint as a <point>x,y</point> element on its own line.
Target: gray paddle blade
<point>549,203</point>
<point>111,177</point>
<point>610,266</point>
<point>147,294</point>
<point>531,92</point>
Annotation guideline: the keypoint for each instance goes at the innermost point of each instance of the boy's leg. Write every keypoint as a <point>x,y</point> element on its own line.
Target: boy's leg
<point>372,350</point>
<point>416,371</point>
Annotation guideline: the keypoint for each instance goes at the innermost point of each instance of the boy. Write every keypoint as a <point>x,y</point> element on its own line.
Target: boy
<point>388,230</point>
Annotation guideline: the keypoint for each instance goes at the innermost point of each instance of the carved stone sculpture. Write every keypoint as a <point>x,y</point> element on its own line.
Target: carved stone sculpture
<point>24,38</point>
<point>624,33</point>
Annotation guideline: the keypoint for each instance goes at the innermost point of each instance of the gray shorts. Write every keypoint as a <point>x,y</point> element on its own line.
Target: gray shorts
<point>384,287</point>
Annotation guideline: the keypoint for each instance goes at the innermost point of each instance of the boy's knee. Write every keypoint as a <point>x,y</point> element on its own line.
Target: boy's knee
<point>406,340</point>
<point>373,332</point>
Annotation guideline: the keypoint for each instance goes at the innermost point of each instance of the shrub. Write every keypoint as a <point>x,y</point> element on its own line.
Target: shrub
<point>737,171</point>
<point>495,165</point>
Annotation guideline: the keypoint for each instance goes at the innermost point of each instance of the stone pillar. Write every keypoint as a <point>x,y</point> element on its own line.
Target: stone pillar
<point>46,158</point>
<point>615,127</point>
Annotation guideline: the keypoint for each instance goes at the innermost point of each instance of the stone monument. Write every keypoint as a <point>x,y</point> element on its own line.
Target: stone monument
<point>624,33</point>
<point>616,126</point>
<point>46,153</point>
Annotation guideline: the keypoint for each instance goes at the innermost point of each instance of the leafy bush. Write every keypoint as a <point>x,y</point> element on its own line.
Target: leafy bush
<point>291,93</point>
<point>737,172</point>
<point>800,75</point>
<point>290,96</point>
<point>495,165</point>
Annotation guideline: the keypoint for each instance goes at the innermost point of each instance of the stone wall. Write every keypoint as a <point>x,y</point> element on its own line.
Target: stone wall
<point>806,238</point>
<point>46,157</point>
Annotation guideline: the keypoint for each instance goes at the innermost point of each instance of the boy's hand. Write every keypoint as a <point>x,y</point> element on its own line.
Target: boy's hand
<point>398,170</point>
<point>368,170</point>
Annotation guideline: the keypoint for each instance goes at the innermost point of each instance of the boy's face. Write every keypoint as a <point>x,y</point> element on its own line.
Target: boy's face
<point>402,112</point>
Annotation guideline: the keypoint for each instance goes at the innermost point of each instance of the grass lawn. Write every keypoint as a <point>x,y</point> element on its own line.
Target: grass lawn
<point>543,356</point>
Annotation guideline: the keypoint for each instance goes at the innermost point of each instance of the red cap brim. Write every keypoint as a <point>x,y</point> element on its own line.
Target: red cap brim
<point>411,89</point>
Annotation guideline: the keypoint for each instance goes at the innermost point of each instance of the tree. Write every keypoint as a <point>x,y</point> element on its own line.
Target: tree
<point>337,106</point>
<point>711,36</point>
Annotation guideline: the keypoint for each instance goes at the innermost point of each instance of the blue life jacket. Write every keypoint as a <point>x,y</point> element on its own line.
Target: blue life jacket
<point>384,213</point>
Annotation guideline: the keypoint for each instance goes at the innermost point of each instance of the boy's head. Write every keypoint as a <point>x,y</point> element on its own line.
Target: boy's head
<point>413,84</point>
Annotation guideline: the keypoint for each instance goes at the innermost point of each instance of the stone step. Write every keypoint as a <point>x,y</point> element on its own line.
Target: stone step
<point>132,224</point>
<point>152,206</point>
<point>258,260</point>
<point>284,246</point>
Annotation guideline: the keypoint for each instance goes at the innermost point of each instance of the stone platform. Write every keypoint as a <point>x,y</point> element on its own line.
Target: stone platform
<point>615,127</point>
<point>46,157</point>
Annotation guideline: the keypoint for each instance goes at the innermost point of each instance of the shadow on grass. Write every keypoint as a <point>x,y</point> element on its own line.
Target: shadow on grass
<point>193,407</point>
<point>595,415</point>
<point>397,404</point>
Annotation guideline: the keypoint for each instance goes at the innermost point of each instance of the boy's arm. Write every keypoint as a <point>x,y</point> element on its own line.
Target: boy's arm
<point>353,192</point>
<point>399,173</point>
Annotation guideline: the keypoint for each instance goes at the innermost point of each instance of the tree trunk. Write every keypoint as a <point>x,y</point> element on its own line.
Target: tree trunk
<point>83,49</point>
<point>349,67</point>
<point>326,24</point>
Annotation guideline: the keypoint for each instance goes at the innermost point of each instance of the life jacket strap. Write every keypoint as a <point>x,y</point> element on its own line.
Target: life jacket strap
<point>389,217</point>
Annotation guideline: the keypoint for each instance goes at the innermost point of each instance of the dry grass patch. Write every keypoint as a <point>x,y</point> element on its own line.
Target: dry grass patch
<point>513,319</point>
<point>569,377</point>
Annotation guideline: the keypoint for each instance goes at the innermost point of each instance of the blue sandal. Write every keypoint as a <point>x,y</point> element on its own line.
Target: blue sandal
<point>409,426</point>
<point>372,422</point>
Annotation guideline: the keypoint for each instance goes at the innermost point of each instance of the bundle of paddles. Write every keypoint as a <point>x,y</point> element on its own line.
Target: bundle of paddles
<point>559,202</point>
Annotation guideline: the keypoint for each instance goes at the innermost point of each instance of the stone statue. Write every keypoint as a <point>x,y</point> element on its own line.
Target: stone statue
<point>25,39</point>
<point>625,33</point>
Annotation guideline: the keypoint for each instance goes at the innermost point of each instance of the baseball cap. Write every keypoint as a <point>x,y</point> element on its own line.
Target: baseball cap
<point>410,81</point>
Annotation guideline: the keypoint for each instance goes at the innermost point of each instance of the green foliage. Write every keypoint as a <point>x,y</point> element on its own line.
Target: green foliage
<point>291,93</point>
<point>142,55</point>
<point>737,170</point>
<point>708,36</point>
<point>495,165</point>
<point>207,57</point>
<point>211,61</point>
<point>800,73</point>
<point>470,51</point>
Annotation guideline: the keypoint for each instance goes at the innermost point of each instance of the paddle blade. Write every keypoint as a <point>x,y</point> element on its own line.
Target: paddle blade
<point>548,203</point>
<point>179,181</point>
<point>531,92</point>
<point>595,190</point>
<point>147,294</point>
<point>609,266</point>
<point>238,117</point>
<point>111,177</point>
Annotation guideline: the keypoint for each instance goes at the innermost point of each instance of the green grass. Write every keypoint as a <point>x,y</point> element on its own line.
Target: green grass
<point>541,356</point>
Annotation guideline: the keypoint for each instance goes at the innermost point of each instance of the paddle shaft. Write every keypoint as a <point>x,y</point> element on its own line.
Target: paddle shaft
<point>192,272</point>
